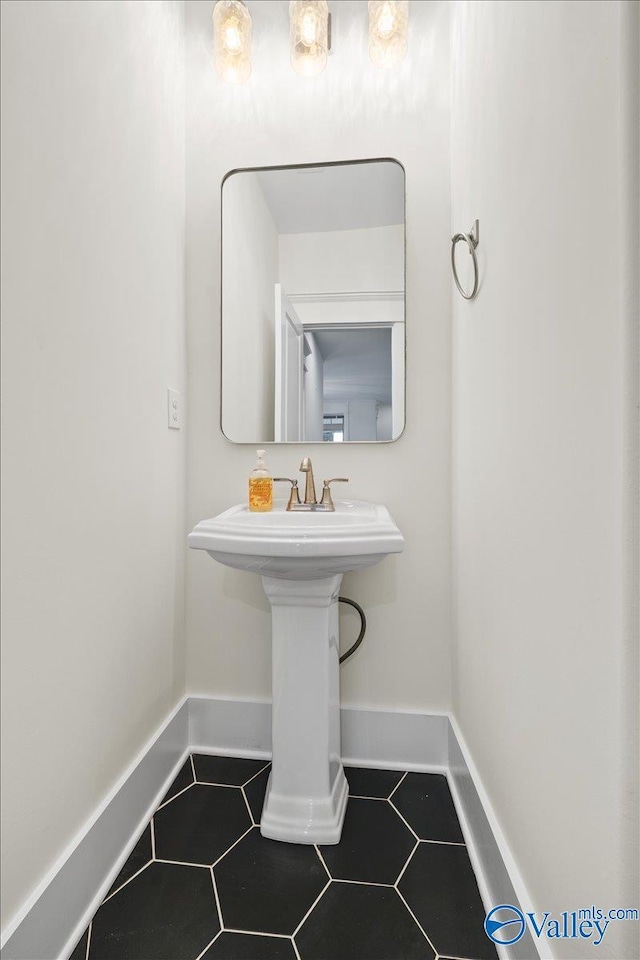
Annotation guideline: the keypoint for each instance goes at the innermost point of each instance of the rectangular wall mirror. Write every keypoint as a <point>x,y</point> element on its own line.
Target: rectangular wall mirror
<point>313,303</point>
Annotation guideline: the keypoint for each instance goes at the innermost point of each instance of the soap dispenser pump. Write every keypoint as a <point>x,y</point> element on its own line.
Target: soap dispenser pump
<point>260,487</point>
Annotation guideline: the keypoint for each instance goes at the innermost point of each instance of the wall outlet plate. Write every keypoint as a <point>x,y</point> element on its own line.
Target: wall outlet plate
<point>174,409</point>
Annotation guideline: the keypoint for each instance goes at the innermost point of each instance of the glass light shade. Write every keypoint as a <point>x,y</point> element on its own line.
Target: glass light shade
<point>232,40</point>
<point>388,21</point>
<point>309,21</point>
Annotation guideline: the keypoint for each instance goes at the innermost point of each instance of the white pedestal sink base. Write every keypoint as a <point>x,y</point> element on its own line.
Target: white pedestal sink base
<point>301,557</point>
<point>304,820</point>
<point>306,797</point>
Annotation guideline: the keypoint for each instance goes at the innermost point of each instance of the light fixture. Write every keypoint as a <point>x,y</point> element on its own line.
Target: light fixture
<point>388,31</point>
<point>232,40</point>
<point>309,23</point>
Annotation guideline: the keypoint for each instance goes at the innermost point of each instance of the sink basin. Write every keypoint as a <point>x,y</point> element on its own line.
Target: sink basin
<point>301,558</point>
<point>300,546</point>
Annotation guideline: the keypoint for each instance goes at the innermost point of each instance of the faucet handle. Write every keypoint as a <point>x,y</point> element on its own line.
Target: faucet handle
<point>327,499</point>
<point>294,496</point>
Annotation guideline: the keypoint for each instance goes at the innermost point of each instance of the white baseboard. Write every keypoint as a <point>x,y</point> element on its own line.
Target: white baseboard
<point>58,911</point>
<point>499,879</point>
<point>237,728</point>
<point>392,740</point>
<point>56,915</point>
<point>372,738</point>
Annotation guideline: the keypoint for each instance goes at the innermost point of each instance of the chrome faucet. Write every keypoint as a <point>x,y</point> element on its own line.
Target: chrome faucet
<point>310,503</point>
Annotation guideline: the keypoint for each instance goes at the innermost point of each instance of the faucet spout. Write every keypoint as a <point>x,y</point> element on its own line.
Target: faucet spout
<point>309,487</point>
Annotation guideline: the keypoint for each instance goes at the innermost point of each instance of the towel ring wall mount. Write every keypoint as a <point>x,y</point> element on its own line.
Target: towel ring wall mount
<point>471,239</point>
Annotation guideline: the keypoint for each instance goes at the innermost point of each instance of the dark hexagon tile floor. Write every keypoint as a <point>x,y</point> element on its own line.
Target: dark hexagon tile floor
<point>181,782</point>
<point>374,847</point>
<point>229,770</point>
<point>372,783</point>
<point>255,790</point>
<point>245,946</point>
<point>202,883</point>
<point>80,951</point>
<point>168,911</point>
<point>141,854</point>
<point>200,824</point>
<point>368,923</point>
<point>440,887</point>
<point>268,886</point>
<point>424,800</point>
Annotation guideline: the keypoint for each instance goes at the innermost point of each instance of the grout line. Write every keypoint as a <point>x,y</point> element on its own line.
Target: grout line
<point>406,864</point>
<point>227,786</point>
<point>153,838</point>
<point>175,796</point>
<point>215,893</point>
<point>391,803</point>
<point>185,863</point>
<point>316,901</point>
<point>86,956</point>
<point>122,885</point>
<point>244,797</point>
<point>398,784</point>
<point>317,849</point>
<point>233,845</point>
<point>450,957</point>
<point>267,763</point>
<point>259,933</point>
<point>364,883</point>
<point>447,843</point>
<point>420,927</point>
<point>295,948</point>
<point>442,956</point>
<point>356,796</point>
<point>209,945</point>
<point>193,768</point>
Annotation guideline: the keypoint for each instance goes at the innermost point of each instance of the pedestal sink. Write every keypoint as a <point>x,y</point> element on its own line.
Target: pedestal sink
<point>301,558</point>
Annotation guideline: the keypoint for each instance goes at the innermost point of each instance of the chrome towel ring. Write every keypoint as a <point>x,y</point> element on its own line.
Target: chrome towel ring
<point>471,239</point>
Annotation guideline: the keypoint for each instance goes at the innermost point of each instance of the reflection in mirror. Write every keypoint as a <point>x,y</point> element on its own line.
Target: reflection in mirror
<point>313,319</point>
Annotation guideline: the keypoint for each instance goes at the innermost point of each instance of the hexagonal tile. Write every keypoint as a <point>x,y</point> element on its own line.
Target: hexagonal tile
<point>440,887</point>
<point>364,782</point>
<point>140,855</point>
<point>424,800</point>
<point>357,922</point>
<point>80,950</point>
<point>250,946</point>
<point>167,912</point>
<point>255,791</point>
<point>234,771</point>
<point>374,846</point>
<point>268,886</point>
<point>200,824</point>
<point>183,779</point>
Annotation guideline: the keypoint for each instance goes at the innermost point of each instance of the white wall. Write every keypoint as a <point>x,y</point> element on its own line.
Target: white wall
<point>351,111</point>
<point>339,261</point>
<point>93,481</point>
<point>250,271</point>
<point>544,433</point>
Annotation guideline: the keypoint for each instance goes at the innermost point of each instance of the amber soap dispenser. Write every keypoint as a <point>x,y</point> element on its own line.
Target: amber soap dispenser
<point>260,487</point>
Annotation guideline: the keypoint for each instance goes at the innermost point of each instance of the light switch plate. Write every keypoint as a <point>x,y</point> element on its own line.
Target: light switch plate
<point>174,408</point>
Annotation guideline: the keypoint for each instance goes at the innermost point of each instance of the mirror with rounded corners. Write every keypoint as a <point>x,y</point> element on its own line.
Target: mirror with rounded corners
<point>313,303</point>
